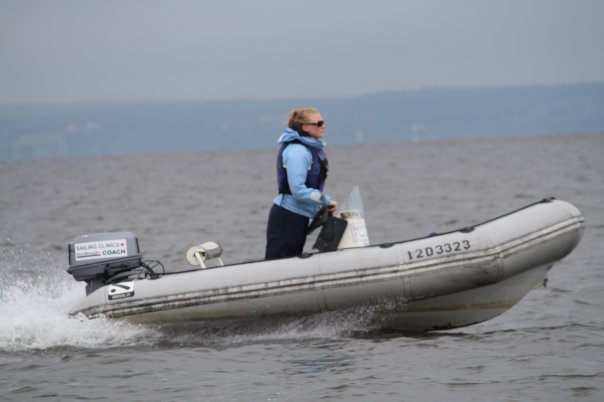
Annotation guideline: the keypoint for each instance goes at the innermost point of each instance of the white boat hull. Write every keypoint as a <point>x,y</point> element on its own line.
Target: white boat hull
<point>443,281</point>
<point>467,307</point>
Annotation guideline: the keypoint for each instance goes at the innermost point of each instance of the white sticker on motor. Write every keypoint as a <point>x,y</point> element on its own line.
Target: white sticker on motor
<point>120,290</point>
<point>101,249</point>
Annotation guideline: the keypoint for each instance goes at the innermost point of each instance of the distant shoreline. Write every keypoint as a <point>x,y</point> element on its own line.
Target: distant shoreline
<point>151,127</point>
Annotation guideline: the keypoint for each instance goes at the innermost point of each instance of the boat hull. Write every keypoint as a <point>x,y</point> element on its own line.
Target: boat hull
<point>467,307</point>
<point>443,281</point>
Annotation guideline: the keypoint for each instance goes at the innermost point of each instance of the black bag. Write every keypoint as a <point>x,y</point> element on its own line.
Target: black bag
<point>331,233</point>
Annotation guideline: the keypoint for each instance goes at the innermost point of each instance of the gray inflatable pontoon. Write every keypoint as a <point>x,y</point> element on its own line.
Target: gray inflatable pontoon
<point>443,281</point>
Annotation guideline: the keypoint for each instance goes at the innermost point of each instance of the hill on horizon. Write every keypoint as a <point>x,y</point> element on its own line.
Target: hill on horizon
<point>122,128</point>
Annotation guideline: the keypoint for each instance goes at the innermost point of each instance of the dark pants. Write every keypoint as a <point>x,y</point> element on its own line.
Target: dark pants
<point>285,233</point>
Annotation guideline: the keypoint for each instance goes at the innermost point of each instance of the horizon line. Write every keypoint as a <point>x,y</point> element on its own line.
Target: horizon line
<point>290,99</point>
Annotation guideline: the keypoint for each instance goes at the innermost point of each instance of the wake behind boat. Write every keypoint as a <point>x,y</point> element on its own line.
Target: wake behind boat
<point>441,281</point>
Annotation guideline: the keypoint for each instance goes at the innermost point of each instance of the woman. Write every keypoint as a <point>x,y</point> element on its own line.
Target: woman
<point>301,173</point>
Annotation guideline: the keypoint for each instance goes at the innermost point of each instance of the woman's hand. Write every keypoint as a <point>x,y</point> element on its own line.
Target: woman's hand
<point>332,206</point>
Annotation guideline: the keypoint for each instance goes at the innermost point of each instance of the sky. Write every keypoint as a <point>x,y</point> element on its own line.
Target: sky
<point>59,51</point>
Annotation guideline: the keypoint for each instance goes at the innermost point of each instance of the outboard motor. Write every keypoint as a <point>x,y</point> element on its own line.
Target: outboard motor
<point>102,258</point>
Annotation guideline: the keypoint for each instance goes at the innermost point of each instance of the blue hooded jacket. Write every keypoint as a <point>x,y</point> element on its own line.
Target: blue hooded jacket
<point>298,159</point>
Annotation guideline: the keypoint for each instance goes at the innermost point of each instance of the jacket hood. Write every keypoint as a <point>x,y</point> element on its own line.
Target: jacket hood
<point>290,135</point>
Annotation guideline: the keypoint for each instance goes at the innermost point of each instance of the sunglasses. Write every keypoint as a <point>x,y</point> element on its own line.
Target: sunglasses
<point>316,123</point>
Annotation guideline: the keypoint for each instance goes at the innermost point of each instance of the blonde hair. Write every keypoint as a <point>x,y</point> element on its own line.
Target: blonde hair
<point>298,117</point>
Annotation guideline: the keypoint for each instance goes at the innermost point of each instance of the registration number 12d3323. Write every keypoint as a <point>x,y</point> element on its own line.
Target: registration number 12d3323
<point>439,249</point>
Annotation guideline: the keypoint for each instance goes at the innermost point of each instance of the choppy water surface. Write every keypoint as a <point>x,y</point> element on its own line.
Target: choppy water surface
<point>548,348</point>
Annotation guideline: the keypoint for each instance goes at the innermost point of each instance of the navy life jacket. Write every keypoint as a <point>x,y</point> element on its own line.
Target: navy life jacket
<point>315,178</point>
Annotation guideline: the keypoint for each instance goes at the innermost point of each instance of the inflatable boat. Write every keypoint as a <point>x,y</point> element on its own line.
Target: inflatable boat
<point>441,281</point>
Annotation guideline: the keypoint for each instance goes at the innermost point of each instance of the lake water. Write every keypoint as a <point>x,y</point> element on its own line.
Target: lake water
<point>549,347</point>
